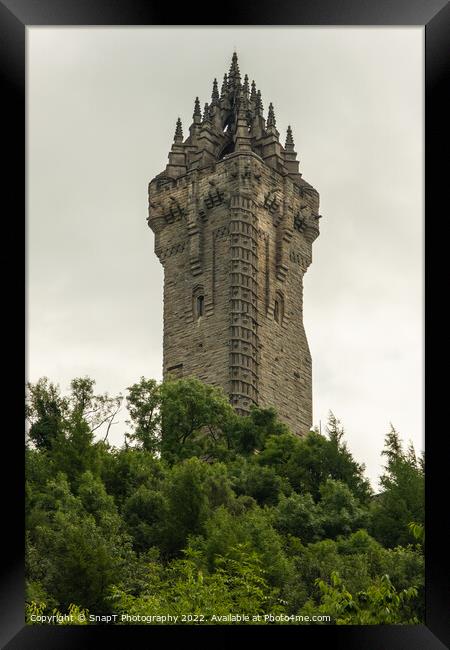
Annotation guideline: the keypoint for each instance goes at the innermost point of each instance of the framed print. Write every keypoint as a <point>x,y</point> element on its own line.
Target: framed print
<point>225,285</point>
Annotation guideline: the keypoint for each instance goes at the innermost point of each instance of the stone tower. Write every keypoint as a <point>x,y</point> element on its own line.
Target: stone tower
<point>234,223</point>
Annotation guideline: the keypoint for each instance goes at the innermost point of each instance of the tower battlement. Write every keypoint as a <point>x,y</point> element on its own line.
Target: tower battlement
<point>234,223</point>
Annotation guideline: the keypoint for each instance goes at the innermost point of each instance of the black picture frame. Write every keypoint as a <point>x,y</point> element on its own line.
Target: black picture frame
<point>15,17</point>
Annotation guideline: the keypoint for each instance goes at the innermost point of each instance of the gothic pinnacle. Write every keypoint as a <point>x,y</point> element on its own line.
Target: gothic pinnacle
<point>289,146</point>
<point>206,113</point>
<point>234,67</point>
<point>234,76</point>
<point>243,98</point>
<point>259,104</point>
<point>271,116</point>
<point>178,132</point>
<point>253,92</point>
<point>224,89</point>
<point>245,86</point>
<point>197,111</point>
<point>215,93</point>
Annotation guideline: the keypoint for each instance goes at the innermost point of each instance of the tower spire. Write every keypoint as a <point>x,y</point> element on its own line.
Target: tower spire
<point>234,76</point>
<point>215,93</point>
<point>271,121</point>
<point>289,146</point>
<point>259,123</point>
<point>290,155</point>
<point>197,112</point>
<point>259,104</point>
<point>242,138</point>
<point>234,67</point>
<point>194,129</point>
<point>206,116</point>
<point>224,88</point>
<point>178,132</point>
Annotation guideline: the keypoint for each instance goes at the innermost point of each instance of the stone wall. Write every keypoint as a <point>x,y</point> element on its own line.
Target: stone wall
<point>238,234</point>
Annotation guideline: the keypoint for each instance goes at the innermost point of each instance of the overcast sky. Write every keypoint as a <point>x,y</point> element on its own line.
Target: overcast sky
<point>102,107</point>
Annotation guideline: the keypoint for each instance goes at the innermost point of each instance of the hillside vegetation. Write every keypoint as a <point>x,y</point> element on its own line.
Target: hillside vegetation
<point>203,514</point>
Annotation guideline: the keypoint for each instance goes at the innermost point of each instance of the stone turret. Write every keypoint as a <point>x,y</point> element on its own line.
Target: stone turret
<point>234,223</point>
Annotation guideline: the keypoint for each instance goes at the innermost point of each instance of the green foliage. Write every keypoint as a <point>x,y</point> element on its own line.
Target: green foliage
<point>193,490</point>
<point>144,404</point>
<point>379,604</point>
<point>207,513</point>
<point>75,615</point>
<point>417,531</point>
<point>402,499</point>
<point>250,433</point>
<point>340,509</point>
<point>183,587</point>
<point>261,482</point>
<point>299,516</point>
<point>76,545</point>
<point>45,411</point>
<point>145,514</point>
<point>124,470</point>
<point>195,419</point>
<point>225,530</point>
<point>64,427</point>
<point>309,462</point>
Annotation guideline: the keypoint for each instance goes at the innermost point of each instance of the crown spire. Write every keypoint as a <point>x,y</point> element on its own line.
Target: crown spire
<point>178,132</point>
<point>206,116</point>
<point>271,121</point>
<point>224,88</point>
<point>234,67</point>
<point>197,112</point>
<point>259,104</point>
<point>290,155</point>
<point>242,138</point>
<point>289,146</point>
<point>215,93</point>
<point>234,76</point>
<point>242,102</point>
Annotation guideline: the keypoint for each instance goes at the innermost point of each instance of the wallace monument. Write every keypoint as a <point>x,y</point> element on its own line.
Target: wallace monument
<point>234,223</point>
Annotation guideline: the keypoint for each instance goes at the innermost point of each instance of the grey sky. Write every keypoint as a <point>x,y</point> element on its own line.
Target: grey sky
<point>102,107</point>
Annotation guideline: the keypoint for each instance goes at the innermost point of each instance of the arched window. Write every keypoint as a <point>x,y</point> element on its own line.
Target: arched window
<point>198,301</point>
<point>200,305</point>
<point>276,311</point>
<point>278,308</point>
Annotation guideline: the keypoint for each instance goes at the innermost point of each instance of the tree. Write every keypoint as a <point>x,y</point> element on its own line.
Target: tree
<point>80,541</point>
<point>144,404</point>
<point>402,499</point>
<point>224,530</point>
<point>341,513</point>
<point>249,433</point>
<point>258,481</point>
<point>195,419</point>
<point>310,461</point>
<point>125,470</point>
<point>94,411</point>
<point>64,427</point>
<point>208,512</point>
<point>299,516</point>
<point>145,513</point>
<point>45,412</point>
<point>193,490</point>
<point>186,589</point>
<point>379,604</point>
